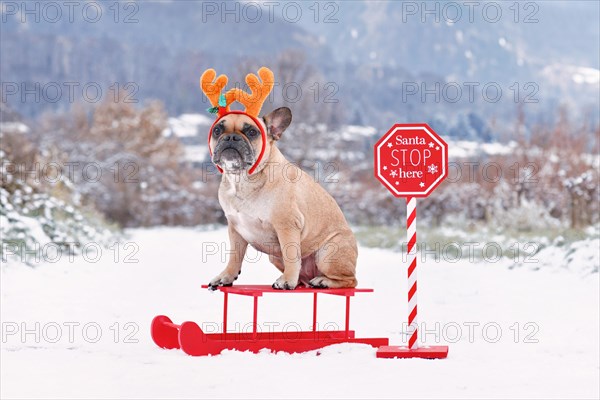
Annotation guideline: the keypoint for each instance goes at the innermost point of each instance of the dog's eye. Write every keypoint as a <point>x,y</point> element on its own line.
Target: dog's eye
<point>252,133</point>
<point>217,130</point>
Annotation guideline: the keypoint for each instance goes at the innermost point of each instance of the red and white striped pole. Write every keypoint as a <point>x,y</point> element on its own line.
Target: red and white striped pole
<point>404,178</point>
<point>411,237</point>
<point>412,350</point>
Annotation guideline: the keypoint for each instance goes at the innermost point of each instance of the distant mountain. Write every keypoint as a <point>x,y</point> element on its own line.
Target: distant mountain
<point>163,51</point>
<point>485,41</point>
<point>372,53</point>
<point>549,49</point>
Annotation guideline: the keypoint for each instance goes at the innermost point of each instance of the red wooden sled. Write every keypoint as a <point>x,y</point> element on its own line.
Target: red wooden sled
<point>193,341</point>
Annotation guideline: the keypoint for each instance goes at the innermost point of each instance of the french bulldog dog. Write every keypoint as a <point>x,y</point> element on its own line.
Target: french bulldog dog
<point>278,208</point>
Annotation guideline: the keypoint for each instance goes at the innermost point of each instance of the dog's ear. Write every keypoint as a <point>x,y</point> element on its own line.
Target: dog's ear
<point>277,121</point>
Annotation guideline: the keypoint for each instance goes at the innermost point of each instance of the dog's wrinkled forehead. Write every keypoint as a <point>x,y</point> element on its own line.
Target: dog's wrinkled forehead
<point>238,123</point>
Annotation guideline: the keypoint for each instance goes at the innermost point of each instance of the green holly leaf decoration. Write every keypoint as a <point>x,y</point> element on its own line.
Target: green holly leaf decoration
<point>222,103</point>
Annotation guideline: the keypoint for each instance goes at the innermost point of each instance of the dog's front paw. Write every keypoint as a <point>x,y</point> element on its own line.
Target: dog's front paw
<point>284,284</point>
<point>223,279</point>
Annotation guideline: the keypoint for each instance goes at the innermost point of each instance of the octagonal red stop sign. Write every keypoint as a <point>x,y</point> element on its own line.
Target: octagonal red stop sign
<point>411,160</point>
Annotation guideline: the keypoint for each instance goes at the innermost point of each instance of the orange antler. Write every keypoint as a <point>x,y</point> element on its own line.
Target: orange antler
<point>211,89</point>
<point>259,92</point>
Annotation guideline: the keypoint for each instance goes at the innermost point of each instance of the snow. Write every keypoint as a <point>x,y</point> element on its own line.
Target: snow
<point>468,148</point>
<point>586,75</point>
<point>188,124</point>
<point>192,130</point>
<point>580,257</point>
<point>15,127</point>
<point>196,153</point>
<point>33,227</point>
<point>555,355</point>
<point>560,73</point>
<point>354,132</point>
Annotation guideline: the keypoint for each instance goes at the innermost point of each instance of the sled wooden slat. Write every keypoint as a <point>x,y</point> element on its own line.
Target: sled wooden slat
<point>258,290</point>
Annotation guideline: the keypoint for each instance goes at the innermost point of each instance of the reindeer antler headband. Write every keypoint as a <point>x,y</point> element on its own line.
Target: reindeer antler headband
<point>253,101</point>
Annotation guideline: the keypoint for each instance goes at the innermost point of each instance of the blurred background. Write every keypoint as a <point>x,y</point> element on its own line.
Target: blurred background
<point>103,124</point>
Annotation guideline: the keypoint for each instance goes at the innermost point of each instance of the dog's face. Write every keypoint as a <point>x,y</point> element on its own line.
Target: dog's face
<point>236,140</point>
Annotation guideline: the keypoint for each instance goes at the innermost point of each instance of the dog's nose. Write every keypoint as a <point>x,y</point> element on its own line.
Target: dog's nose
<point>232,137</point>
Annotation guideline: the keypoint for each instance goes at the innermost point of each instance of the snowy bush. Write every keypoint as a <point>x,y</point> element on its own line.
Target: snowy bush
<point>33,218</point>
<point>31,221</point>
<point>582,256</point>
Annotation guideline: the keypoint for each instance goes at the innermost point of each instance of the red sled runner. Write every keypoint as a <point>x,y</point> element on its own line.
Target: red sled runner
<point>193,341</point>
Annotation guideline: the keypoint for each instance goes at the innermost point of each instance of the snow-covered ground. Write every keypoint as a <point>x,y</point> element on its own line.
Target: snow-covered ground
<point>79,328</point>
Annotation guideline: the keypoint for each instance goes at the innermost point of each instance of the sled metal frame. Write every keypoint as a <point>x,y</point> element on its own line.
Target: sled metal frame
<point>193,341</point>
